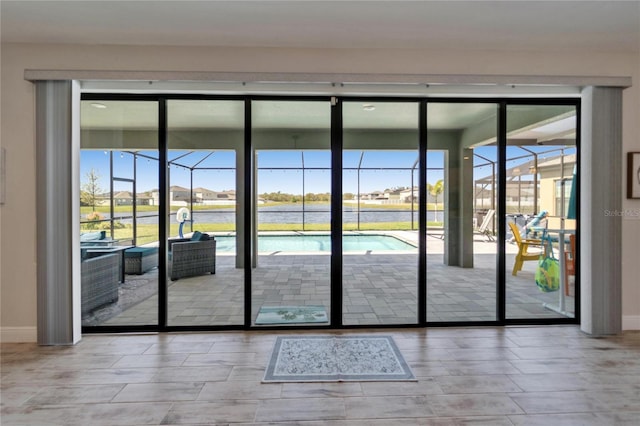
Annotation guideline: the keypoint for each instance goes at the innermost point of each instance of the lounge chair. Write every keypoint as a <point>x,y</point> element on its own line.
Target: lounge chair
<point>485,227</point>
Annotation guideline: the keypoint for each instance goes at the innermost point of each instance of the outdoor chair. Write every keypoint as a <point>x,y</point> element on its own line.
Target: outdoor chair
<point>569,264</point>
<point>189,257</point>
<point>485,227</point>
<point>532,227</point>
<point>523,249</point>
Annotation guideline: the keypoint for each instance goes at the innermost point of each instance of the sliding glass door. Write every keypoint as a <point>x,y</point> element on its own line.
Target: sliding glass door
<point>292,248</point>
<point>380,212</point>
<point>119,213</point>
<point>205,275</point>
<point>208,212</point>
<point>541,192</point>
<point>462,240</point>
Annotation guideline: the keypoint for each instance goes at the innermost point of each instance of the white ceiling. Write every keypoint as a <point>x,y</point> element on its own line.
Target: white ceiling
<point>199,114</point>
<point>542,123</point>
<point>523,25</point>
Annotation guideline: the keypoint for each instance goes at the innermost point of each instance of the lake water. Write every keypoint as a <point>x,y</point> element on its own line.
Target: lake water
<point>292,213</point>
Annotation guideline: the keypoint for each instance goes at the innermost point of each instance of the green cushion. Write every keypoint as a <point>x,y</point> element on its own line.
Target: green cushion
<point>199,236</point>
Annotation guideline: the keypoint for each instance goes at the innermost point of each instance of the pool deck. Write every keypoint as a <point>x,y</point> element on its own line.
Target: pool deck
<point>379,288</point>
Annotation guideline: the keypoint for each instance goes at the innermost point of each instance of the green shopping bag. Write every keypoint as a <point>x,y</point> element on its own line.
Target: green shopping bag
<point>548,271</point>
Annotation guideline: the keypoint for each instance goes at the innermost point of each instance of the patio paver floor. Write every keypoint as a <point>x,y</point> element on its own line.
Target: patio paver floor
<point>378,289</point>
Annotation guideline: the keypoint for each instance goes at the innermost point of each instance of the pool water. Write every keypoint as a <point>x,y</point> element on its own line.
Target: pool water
<point>311,243</point>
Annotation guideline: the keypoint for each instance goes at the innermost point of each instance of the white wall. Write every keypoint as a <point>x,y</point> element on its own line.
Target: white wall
<point>631,221</point>
<point>18,215</point>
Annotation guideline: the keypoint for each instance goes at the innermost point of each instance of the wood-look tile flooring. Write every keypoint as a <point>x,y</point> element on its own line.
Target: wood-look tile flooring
<point>552,375</point>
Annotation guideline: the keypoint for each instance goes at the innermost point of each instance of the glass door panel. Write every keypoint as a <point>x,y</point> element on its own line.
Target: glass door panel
<point>462,247</point>
<point>380,203</point>
<point>541,219</point>
<point>291,279</point>
<point>119,213</point>
<point>205,260</point>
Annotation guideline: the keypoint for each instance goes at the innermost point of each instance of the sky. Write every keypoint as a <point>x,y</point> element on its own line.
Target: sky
<point>274,170</point>
<point>217,171</point>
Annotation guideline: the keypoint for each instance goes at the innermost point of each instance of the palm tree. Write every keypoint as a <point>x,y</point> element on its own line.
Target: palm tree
<point>435,190</point>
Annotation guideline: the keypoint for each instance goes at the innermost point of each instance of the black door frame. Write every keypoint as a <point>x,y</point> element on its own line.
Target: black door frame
<point>336,209</point>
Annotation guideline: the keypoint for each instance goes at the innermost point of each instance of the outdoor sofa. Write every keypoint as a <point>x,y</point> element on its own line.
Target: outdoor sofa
<point>100,277</point>
<point>193,256</point>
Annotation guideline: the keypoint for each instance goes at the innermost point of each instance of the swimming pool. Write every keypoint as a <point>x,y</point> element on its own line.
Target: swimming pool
<point>322,243</point>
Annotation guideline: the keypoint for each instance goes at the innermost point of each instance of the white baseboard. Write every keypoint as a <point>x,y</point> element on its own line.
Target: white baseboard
<point>18,334</point>
<point>631,322</point>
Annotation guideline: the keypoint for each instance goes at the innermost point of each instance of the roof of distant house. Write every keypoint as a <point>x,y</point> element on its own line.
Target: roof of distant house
<point>123,194</point>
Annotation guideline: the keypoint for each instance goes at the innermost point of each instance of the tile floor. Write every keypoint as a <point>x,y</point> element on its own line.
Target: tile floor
<point>552,375</point>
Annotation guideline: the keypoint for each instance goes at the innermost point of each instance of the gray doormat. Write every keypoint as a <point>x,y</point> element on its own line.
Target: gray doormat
<point>336,359</point>
<point>292,314</point>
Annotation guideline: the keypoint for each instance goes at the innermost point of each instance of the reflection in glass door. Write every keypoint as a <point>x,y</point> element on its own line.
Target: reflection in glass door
<point>462,258</point>
<point>380,204</point>
<point>205,260</point>
<point>541,172</point>
<point>291,279</point>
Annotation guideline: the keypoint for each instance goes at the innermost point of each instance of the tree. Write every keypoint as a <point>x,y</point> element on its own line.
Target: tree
<point>435,190</point>
<point>90,189</point>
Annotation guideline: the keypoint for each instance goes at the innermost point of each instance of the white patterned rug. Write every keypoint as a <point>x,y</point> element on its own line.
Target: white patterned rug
<point>336,359</point>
